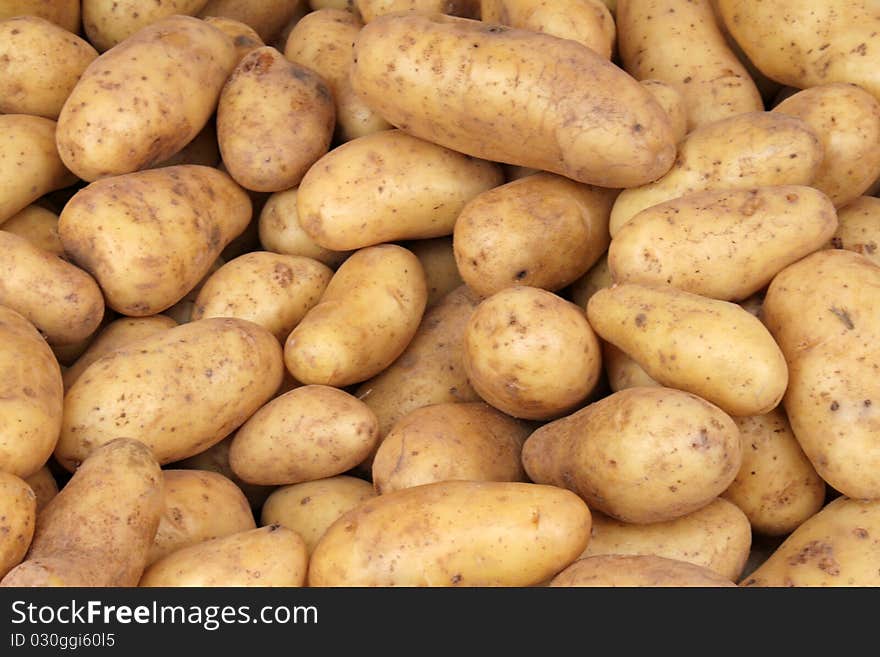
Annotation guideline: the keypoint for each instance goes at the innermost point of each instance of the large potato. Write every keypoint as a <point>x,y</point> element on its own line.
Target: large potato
<point>441,271</point>
<point>640,455</point>
<point>65,13</point>
<point>98,530</point>
<point>18,516</point>
<point>149,237</point>
<point>637,571</point>
<point>266,17</point>
<point>542,231</point>
<point>858,228</point>
<point>179,391</point>
<point>372,9</point>
<point>506,108</point>
<point>38,226</point>
<point>107,22</point>
<point>369,313</point>
<point>513,534</point>
<point>714,349</point>
<point>388,186</point>
<point>142,102</point>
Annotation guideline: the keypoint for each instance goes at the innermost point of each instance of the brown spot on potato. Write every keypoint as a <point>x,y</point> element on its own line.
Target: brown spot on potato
<point>641,320</point>
<point>843,316</point>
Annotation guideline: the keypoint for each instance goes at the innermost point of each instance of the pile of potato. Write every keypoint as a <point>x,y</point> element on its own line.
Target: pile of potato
<point>439,293</point>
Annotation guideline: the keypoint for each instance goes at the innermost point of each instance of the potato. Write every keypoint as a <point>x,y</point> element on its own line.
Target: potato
<point>672,103</point>
<point>586,286</point>
<point>823,313</point>
<point>749,150</point>
<point>44,486</point>
<point>65,13</point>
<point>586,21</point>
<point>179,391</point>
<point>858,228</point>
<point>641,455</point>
<point>280,231</point>
<point>685,341</point>
<point>266,17</point>
<point>31,396</point>
<point>498,541</point>
<point>38,226</point>
<point>324,41</point>
<point>274,120</point>
<point>836,547</point>
<point>542,231</point>
<point>317,5</point>
<point>169,225</point>
<point>98,530</point>
<point>505,109</point>
<point>372,9</point>
<point>18,515</point>
<point>29,163</point>
<point>622,371</point>
<point>717,536</point>
<point>142,102</point>
<point>244,37</point>
<point>311,507</point>
<point>637,571</point>
<point>107,22</point>
<point>369,313</point>
<point>726,245</point>
<point>388,186</point>
<point>268,556</point>
<point>203,149</point>
<point>272,290</point>
<point>777,487</point>
<point>438,262</point>
<point>181,312</point>
<point>199,506</point>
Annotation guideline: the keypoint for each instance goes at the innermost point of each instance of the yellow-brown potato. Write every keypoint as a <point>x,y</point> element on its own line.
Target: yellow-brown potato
<point>836,547</point>
<point>312,432</point>
<point>317,5</point>
<point>499,541</point>
<point>18,515</point>
<point>756,149</point>
<point>641,455</point>
<point>31,396</point>
<point>637,571</point>
<point>710,348</point>
<point>264,557</point>
<point>179,391</point>
<point>98,530</point>
<point>266,17</point>
<point>44,486</point>
<point>275,118</point>
<point>38,226</point>
<point>369,313</point>
<point>531,354</point>
<point>199,506</point>
<point>40,64</point>
<point>272,290</point>
<point>29,162</point>
<point>107,22</point>
<point>446,442</point>
<point>441,271</point>
<point>311,507</point>
<point>542,231</point>
<point>717,537</point>
<point>388,186</point>
<point>777,487</point>
<point>65,13</point>
<point>672,103</point>
<point>372,9</point>
<point>724,245</point>
<point>203,149</point>
<point>244,37</point>
<point>142,102</point>
<point>858,228</point>
<point>181,312</point>
<point>505,108</point>
<point>622,371</point>
<point>586,286</point>
<point>168,227</point>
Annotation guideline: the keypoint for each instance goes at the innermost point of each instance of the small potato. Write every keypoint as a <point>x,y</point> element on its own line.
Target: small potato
<point>858,228</point>
<point>498,541</point>
<point>18,516</point>
<point>264,557</point>
<point>44,486</point>
<point>586,286</point>
<point>107,22</point>
<point>38,226</point>
<point>672,103</point>
<point>531,354</point>
<point>445,442</point>
<point>717,536</point>
<point>272,290</point>
<point>369,313</point>
<point>372,9</point>
<point>388,186</point>
<point>244,37</point>
<point>542,231</point>
<point>622,371</point>
<point>777,487</point>
<point>266,17</point>
<point>637,571</point>
<point>438,261</point>
<point>311,507</point>
<point>274,120</point>
<point>312,432</point>
<point>710,348</point>
<point>98,530</point>
<point>65,13</point>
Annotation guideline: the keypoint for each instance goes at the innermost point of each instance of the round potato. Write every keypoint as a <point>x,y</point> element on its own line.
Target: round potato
<point>18,516</point>
<point>244,37</point>
<point>637,571</point>
<point>438,260</point>
<point>107,22</point>
<point>65,13</point>
<point>44,486</point>
<point>38,226</point>
<point>858,228</point>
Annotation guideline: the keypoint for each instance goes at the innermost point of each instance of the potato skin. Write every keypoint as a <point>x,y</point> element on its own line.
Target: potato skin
<point>266,17</point>
<point>672,103</point>
<point>637,571</point>
<point>438,261</point>
<point>373,9</point>
<point>38,226</point>
<point>422,188</point>
<point>499,542</point>
<point>97,531</point>
<point>179,391</point>
<point>586,286</point>
<point>107,22</point>
<point>622,371</point>
<point>18,510</point>
<point>44,486</point>
<point>369,313</point>
<point>65,13</point>
<point>162,109</point>
<point>542,231</point>
<point>244,37</point>
<point>561,125</point>
<point>858,228</point>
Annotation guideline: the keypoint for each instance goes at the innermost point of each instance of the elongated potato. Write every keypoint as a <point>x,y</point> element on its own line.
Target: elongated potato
<point>586,286</point>
<point>622,371</point>
<point>506,109</point>
<point>673,104</point>
<point>858,228</point>
<point>43,483</point>
<point>441,271</point>
<point>369,313</point>
<point>98,530</point>
<point>107,22</point>
<point>266,17</point>
<point>498,542</point>
<point>388,186</point>
<point>372,9</point>
<point>684,341</point>
<point>178,392</point>
<point>244,37</point>
<point>637,571</point>
<point>18,516</point>
<point>38,226</point>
